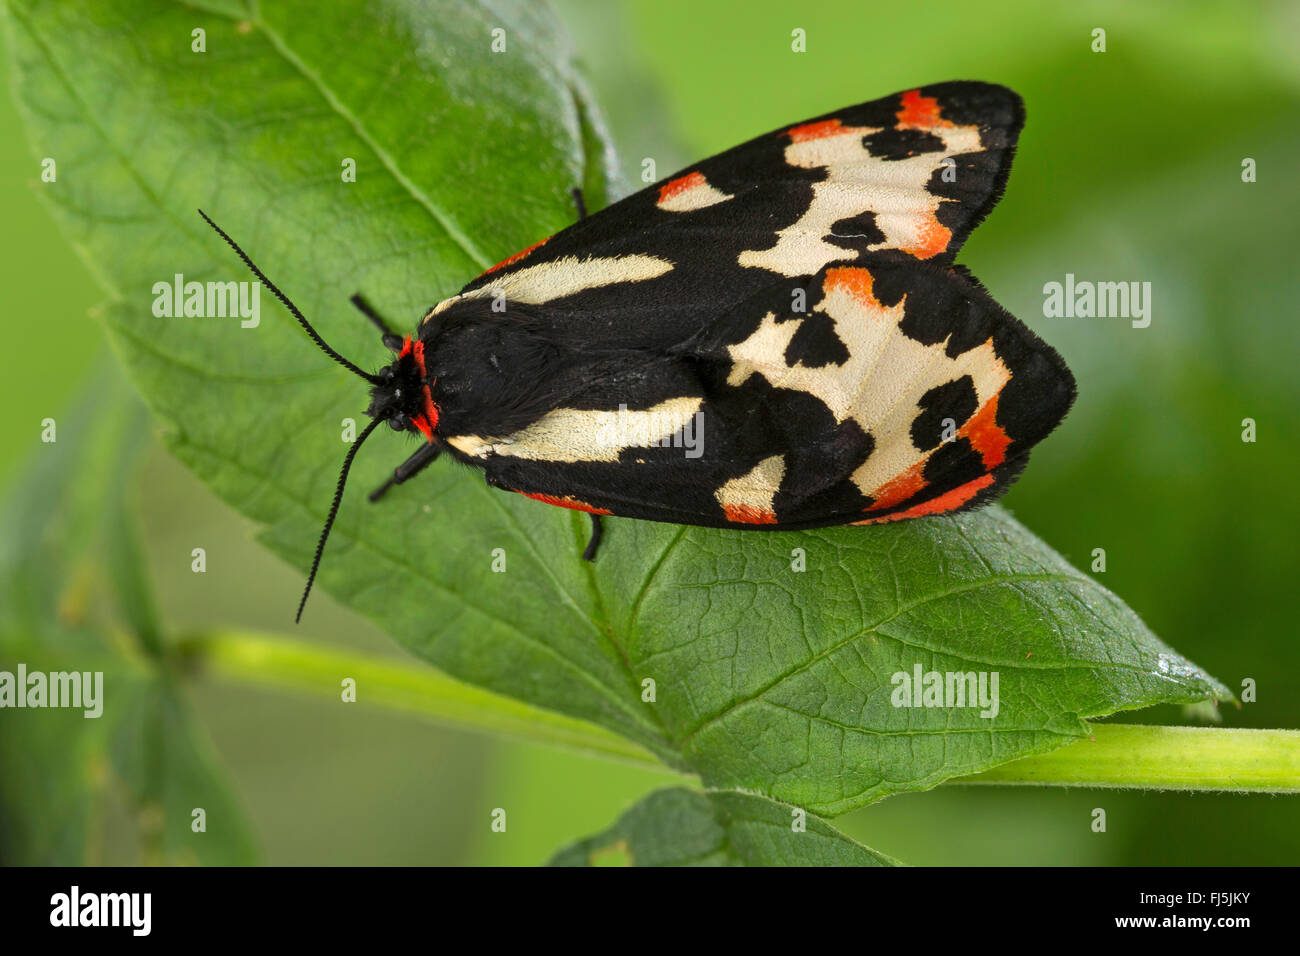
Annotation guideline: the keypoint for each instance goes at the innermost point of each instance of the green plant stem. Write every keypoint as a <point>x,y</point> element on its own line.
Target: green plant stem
<point>285,663</point>
<point>1116,755</point>
<point>1163,758</point>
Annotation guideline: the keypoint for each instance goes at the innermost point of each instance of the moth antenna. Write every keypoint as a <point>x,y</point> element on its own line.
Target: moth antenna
<point>302,319</point>
<point>334,510</point>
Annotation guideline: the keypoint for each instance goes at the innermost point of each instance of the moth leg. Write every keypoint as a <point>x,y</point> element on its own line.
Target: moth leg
<point>424,456</point>
<point>391,338</point>
<point>594,541</point>
<point>579,202</point>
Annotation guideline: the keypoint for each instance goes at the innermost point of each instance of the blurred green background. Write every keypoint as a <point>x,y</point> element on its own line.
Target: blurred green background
<point>1129,169</point>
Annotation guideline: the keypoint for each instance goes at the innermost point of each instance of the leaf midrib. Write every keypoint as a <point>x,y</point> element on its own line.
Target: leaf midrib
<point>336,105</point>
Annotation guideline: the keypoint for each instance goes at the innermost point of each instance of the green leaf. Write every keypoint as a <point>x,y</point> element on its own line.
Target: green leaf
<point>124,784</point>
<point>783,682</point>
<point>680,827</point>
<point>765,678</point>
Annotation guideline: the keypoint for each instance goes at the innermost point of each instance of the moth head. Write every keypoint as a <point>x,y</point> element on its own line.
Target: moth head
<point>400,395</point>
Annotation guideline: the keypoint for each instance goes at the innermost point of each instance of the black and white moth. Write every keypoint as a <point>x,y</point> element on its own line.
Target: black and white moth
<point>788,310</point>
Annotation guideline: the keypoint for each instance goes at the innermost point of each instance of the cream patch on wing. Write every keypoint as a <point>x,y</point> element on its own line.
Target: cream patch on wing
<point>545,281</point>
<point>883,379</point>
<point>689,193</point>
<point>750,499</point>
<point>579,434</point>
<point>473,445</point>
<point>858,182</point>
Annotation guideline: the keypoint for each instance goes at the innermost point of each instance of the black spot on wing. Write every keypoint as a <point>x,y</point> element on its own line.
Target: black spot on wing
<point>816,343</point>
<point>950,467</point>
<point>972,182</point>
<point>854,233</point>
<point>940,306</point>
<point>894,143</point>
<point>953,402</point>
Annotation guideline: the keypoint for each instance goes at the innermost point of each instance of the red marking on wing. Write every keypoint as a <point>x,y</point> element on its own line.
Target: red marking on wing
<point>854,281</point>
<point>746,514</point>
<point>948,501</point>
<point>933,239</point>
<point>807,131</point>
<point>680,185</point>
<point>986,436</point>
<point>565,502</point>
<point>515,258</point>
<point>920,112</point>
<point>431,414</point>
<point>899,489</point>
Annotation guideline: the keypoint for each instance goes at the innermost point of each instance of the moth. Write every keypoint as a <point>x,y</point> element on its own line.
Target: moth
<point>773,338</point>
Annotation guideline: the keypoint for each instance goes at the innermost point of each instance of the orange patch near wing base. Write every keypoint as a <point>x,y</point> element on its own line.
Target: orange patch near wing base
<point>680,185</point>
<point>430,416</point>
<point>745,514</point>
<point>566,502</point>
<point>949,501</point>
<point>515,258</point>
<point>422,423</point>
